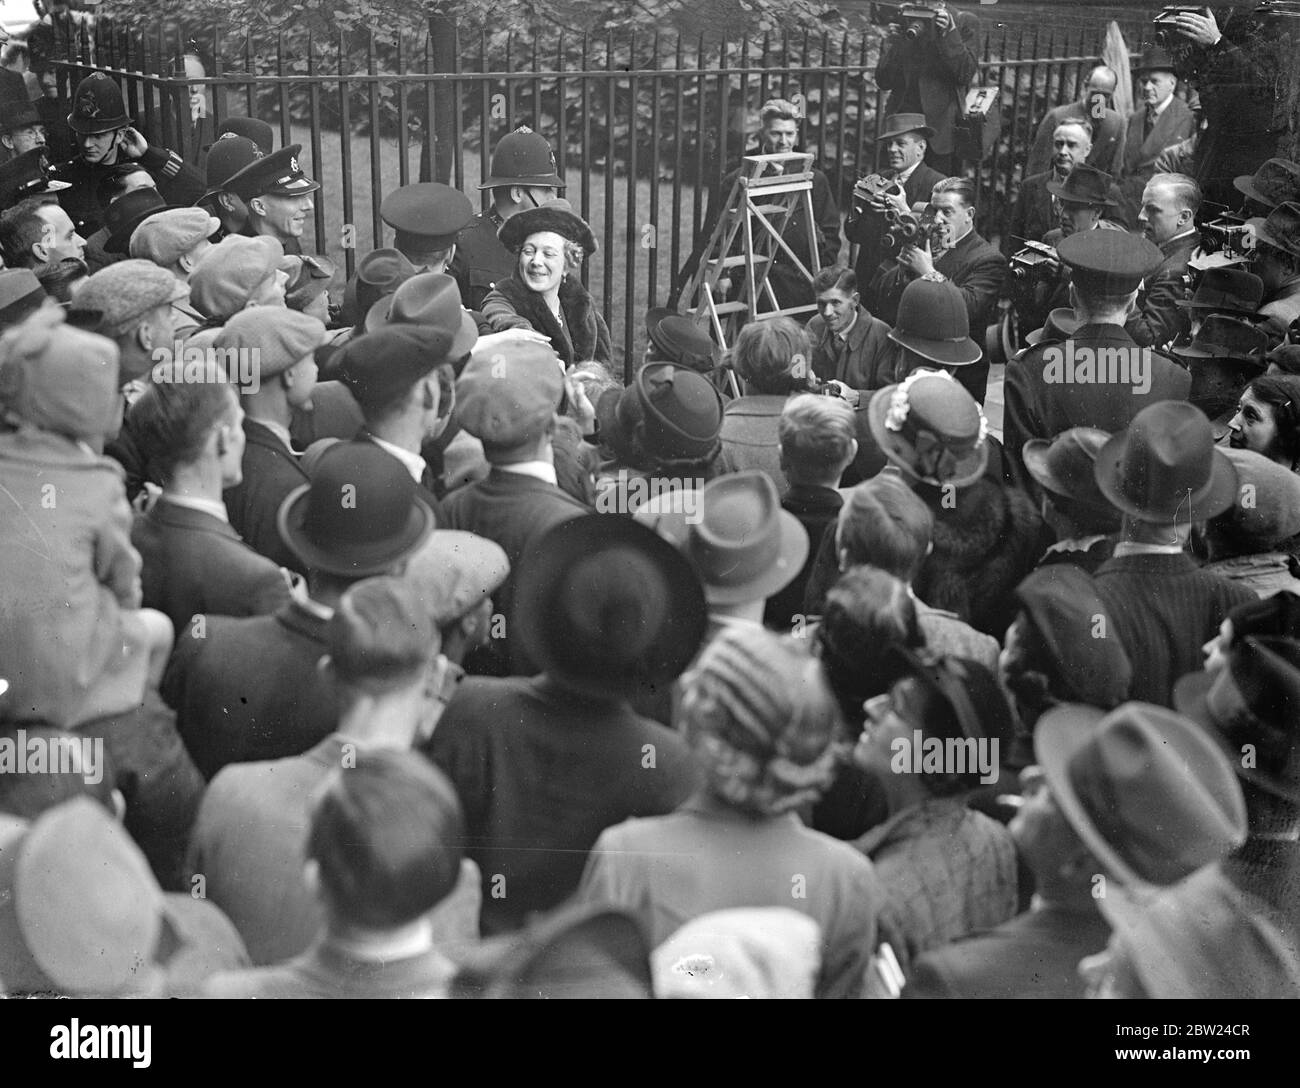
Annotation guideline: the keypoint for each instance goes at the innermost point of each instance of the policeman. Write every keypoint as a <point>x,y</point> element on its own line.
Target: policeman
<point>278,196</point>
<point>227,156</point>
<point>105,135</point>
<point>427,217</point>
<point>523,175</point>
<point>28,175</point>
<point>1099,377</point>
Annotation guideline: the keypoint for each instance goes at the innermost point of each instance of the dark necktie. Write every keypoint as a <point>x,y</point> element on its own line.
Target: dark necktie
<point>1150,122</point>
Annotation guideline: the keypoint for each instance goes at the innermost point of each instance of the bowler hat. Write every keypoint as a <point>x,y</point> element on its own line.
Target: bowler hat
<point>1226,290</point>
<point>1084,185</point>
<point>681,339</point>
<point>431,299</point>
<point>127,212</point>
<point>1147,791</point>
<point>898,123</point>
<point>743,544</point>
<point>607,607</point>
<point>523,157</point>
<point>362,514</point>
<point>1155,59</point>
<point>1062,604</point>
<point>1277,181</point>
<point>379,273</point>
<point>80,911</point>
<point>933,322</point>
<point>556,216</point>
<point>1225,337</point>
<point>1061,324</point>
<point>97,106</point>
<point>931,428</point>
<point>681,412</point>
<point>1281,229</point>
<point>1165,468</point>
<point>1252,707</point>
<point>21,294</point>
<point>1065,465</point>
<point>426,215</point>
<point>27,175</point>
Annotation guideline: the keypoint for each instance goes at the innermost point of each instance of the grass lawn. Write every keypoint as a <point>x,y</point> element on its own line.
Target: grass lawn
<point>614,306</point>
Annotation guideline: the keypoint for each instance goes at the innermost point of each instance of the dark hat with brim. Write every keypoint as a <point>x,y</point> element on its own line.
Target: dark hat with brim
<point>1226,290</point>
<point>27,175</point>
<point>898,123</point>
<point>431,299</point>
<point>1065,465</point>
<point>17,114</point>
<point>1061,325</point>
<point>524,157</point>
<point>1277,181</point>
<point>1165,468</point>
<point>1155,59</point>
<point>681,339</point>
<point>1084,185</point>
<point>556,216</point>
<point>384,523</point>
<point>21,295</point>
<point>119,238</point>
<point>934,323</point>
<point>608,607</point>
<point>1229,338</point>
<point>1281,229</point>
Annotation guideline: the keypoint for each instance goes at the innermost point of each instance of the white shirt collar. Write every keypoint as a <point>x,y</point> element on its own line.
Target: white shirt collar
<point>903,175</point>
<point>1158,110</point>
<point>214,507</point>
<point>315,608</point>
<point>542,470</point>
<point>844,336</point>
<point>279,430</point>
<point>415,464</point>
<point>1129,547</point>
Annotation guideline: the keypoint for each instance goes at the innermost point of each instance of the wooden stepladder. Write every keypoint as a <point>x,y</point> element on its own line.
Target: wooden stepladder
<point>746,239</point>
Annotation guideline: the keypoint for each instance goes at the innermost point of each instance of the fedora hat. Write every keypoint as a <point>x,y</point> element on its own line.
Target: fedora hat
<point>609,608</point>
<point>1277,181</point>
<point>1227,290</point>
<point>380,273</point>
<point>1223,336</point>
<point>1254,701</point>
<point>98,106</point>
<point>1155,59</point>
<point>1165,467</point>
<point>898,123</point>
<point>1061,324</point>
<point>361,514</point>
<point>1146,790</point>
<point>1084,185</point>
<point>931,428</point>
<point>430,298</point>
<point>1281,229</point>
<point>556,216</point>
<point>680,339</point>
<point>933,322</point>
<point>1204,938</point>
<point>21,295</point>
<point>523,158</point>
<point>743,545</point>
<point>1065,465</point>
<point>130,210</point>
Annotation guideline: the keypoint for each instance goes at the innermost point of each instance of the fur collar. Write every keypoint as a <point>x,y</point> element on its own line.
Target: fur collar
<point>583,336</point>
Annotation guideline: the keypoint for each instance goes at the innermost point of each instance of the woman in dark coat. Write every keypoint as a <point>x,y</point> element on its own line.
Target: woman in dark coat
<point>544,292</point>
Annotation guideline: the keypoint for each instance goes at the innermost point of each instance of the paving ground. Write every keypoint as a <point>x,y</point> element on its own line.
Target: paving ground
<point>993,399</point>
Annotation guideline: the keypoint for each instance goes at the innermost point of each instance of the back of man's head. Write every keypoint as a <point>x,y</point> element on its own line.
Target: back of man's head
<point>817,440</point>
<point>772,355</point>
<point>385,839</point>
<point>885,524</point>
<point>379,638</point>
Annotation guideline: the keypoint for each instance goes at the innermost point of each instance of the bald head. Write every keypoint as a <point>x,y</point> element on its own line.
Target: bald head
<point>1102,79</point>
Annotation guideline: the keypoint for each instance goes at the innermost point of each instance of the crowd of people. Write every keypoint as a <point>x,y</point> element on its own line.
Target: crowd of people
<point>402,648</point>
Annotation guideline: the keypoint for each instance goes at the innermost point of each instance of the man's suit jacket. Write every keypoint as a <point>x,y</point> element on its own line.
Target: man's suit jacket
<point>1041,401</point>
<point>1035,955</point>
<point>515,511</point>
<point>195,563</point>
<point>249,689</point>
<point>271,471</point>
<point>858,364</point>
<point>866,231</point>
<point>1175,124</point>
<point>1159,318</point>
<point>334,413</point>
<point>1107,138</point>
<point>249,843</point>
<point>930,75</point>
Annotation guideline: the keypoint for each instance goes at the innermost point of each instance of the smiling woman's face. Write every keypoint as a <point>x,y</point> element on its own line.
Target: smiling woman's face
<point>541,261</point>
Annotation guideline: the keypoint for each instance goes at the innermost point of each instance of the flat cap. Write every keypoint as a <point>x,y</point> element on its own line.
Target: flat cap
<point>227,275</point>
<point>280,337</point>
<point>454,571</point>
<point>507,397</point>
<point>378,367</point>
<point>277,174</point>
<point>427,214</point>
<point>1109,262</point>
<point>165,237</point>
<point>125,291</point>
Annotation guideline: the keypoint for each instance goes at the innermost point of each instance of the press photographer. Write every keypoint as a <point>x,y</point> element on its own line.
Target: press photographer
<point>927,62</point>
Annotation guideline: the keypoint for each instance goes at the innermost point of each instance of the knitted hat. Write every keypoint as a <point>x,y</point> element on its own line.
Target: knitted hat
<point>279,337</point>
<point>762,718</point>
<point>166,237</point>
<point>508,398</point>
<point>124,292</point>
<point>60,378</point>
<point>229,273</point>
